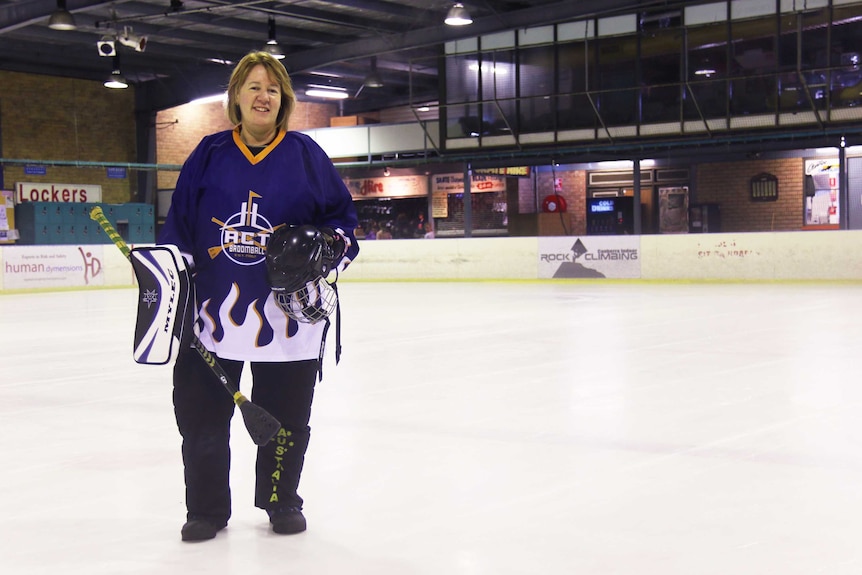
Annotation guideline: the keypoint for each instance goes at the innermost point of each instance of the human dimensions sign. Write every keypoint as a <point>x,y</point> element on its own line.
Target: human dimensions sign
<point>70,193</point>
<point>50,266</point>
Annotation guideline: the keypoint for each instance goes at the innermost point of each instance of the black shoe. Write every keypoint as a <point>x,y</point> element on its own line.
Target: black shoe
<point>287,520</point>
<point>199,530</point>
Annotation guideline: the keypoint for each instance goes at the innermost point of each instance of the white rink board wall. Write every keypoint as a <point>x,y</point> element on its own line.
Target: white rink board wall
<point>812,255</point>
<point>815,255</point>
<point>579,257</point>
<point>445,259</point>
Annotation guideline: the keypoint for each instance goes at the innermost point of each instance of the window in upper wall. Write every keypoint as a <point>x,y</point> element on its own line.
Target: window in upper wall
<point>617,95</point>
<point>536,88</point>
<point>499,82</point>
<point>461,82</point>
<point>846,51</point>
<point>706,74</point>
<point>576,68</point>
<point>753,65</point>
<point>802,61</point>
<point>661,73</point>
<point>463,111</point>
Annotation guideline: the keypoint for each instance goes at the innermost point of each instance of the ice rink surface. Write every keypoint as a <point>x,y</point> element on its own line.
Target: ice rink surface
<point>470,429</point>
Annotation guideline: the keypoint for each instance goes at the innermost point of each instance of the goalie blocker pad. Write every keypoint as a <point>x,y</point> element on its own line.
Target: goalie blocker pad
<point>165,290</point>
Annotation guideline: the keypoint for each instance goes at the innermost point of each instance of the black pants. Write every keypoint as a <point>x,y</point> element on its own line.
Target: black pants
<point>204,410</point>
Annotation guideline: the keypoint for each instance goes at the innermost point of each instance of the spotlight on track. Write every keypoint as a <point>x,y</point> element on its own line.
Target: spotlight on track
<point>107,46</point>
<point>130,40</point>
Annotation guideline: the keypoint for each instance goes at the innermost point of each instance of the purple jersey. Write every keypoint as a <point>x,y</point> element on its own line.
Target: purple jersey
<point>226,204</point>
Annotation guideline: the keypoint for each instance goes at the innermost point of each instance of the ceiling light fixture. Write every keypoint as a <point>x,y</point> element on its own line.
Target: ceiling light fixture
<point>107,46</point>
<point>324,74</point>
<point>328,94</point>
<point>327,87</point>
<point>373,79</point>
<point>130,40</point>
<point>458,16</point>
<point>116,80</point>
<point>61,19</point>
<point>210,99</point>
<point>271,45</point>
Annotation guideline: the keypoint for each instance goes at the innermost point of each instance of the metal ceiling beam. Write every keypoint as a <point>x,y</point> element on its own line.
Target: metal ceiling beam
<point>142,24</point>
<point>334,18</point>
<point>212,14</point>
<point>21,14</point>
<point>316,58</point>
<point>388,8</point>
<point>535,16</point>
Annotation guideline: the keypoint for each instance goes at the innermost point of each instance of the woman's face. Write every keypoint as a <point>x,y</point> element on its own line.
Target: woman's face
<point>259,100</point>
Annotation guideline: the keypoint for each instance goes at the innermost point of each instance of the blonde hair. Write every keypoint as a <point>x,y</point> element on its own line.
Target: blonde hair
<point>276,71</point>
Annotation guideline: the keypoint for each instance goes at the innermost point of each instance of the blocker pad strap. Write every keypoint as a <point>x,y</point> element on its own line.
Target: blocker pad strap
<point>164,304</point>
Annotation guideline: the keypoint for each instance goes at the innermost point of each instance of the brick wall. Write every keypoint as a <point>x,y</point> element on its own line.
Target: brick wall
<point>51,118</point>
<point>46,118</point>
<point>728,185</point>
<point>179,130</point>
<point>574,191</point>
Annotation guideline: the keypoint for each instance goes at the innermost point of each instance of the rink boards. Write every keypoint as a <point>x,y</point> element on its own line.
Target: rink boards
<point>803,256</point>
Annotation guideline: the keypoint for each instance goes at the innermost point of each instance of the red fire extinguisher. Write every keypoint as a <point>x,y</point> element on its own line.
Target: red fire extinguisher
<point>554,203</point>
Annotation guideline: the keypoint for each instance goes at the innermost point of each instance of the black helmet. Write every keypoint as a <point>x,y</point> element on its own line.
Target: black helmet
<point>298,259</point>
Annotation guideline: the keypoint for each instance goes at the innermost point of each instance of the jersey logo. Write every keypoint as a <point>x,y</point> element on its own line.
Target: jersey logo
<point>244,235</point>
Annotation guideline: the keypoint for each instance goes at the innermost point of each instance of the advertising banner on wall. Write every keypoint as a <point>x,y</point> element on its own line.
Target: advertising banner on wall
<point>42,192</point>
<point>589,257</point>
<point>54,266</point>
<point>387,187</point>
<point>516,171</point>
<point>454,183</point>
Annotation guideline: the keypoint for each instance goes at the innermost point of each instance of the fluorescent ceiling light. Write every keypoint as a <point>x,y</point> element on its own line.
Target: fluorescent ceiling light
<point>324,74</point>
<point>615,165</point>
<point>210,99</point>
<point>331,94</point>
<point>325,87</point>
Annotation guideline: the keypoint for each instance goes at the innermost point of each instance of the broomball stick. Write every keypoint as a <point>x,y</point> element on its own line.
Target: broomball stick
<point>261,425</point>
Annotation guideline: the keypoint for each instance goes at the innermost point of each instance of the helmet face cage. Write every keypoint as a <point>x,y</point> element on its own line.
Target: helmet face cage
<point>312,303</point>
<point>296,262</point>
